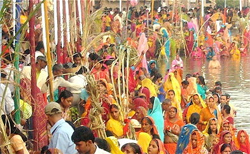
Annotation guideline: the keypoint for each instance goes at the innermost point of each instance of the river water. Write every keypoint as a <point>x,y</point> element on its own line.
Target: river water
<point>235,78</point>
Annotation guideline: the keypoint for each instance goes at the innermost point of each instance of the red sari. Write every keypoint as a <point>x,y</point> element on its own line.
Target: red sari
<point>246,146</point>
<point>40,136</point>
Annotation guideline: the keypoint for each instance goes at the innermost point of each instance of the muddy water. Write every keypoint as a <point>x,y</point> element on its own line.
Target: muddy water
<point>235,78</point>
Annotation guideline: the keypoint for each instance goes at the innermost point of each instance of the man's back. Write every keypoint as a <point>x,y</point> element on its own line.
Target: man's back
<point>61,137</point>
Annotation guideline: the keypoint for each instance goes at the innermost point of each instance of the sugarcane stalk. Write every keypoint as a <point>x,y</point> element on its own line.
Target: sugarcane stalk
<point>48,51</point>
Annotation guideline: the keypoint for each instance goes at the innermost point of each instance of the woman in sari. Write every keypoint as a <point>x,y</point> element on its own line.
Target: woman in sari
<point>196,106</point>
<point>201,86</point>
<point>196,144</point>
<point>148,126</point>
<point>100,71</point>
<point>234,51</point>
<point>165,34</point>
<point>243,141</point>
<point>143,141</point>
<point>211,134</point>
<point>184,137</point>
<point>192,87</point>
<point>155,111</point>
<point>173,124</point>
<point>156,147</point>
<point>225,137</point>
<point>174,101</point>
<point>114,145</point>
<point>140,112</point>
<point>211,111</point>
<point>150,85</point>
<point>144,91</point>
<point>151,65</point>
<point>171,83</point>
<point>114,123</point>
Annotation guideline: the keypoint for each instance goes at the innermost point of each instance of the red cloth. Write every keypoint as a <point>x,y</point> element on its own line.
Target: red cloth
<point>244,147</point>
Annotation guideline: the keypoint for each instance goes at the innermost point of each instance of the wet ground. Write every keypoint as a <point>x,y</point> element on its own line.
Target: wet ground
<point>235,78</point>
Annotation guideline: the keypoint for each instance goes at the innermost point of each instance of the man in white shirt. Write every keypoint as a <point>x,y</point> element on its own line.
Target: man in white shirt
<point>59,81</point>
<point>84,140</point>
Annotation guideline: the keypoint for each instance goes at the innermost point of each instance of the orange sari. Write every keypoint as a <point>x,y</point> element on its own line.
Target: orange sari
<point>205,116</point>
<point>200,145</point>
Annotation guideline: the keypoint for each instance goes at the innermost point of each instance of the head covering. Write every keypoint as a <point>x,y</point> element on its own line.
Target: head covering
<point>184,137</point>
<point>171,83</point>
<point>221,141</point>
<point>140,102</point>
<point>156,114</point>
<point>53,108</point>
<point>114,146</point>
<point>150,85</point>
<point>146,91</point>
<point>154,129</point>
<point>160,146</point>
<point>243,147</point>
<point>144,140</point>
<point>200,143</point>
<point>205,132</point>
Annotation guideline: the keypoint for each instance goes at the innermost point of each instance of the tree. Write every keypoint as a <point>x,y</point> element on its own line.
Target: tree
<point>229,3</point>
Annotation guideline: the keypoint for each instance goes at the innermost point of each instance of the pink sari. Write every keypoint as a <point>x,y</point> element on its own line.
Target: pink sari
<point>143,48</point>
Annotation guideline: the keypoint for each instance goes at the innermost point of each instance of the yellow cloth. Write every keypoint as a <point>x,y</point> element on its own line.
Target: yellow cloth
<point>26,109</point>
<point>108,21</point>
<point>143,141</point>
<point>113,144</point>
<point>172,84</point>
<point>115,127</point>
<point>235,53</point>
<point>195,108</point>
<point>23,19</point>
<point>150,85</point>
<point>37,74</point>
<point>131,113</point>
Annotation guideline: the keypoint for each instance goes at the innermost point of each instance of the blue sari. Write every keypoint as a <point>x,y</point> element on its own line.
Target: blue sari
<point>184,137</point>
<point>167,43</point>
<point>156,114</point>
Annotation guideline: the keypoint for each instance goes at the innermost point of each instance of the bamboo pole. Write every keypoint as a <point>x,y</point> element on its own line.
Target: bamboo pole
<point>33,70</point>
<point>16,62</point>
<point>48,51</point>
<point>152,8</point>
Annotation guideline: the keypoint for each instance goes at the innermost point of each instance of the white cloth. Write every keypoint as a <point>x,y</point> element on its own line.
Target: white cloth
<point>41,80</point>
<point>125,141</point>
<point>59,81</point>
<point>100,151</point>
<point>79,80</point>
<point>8,103</point>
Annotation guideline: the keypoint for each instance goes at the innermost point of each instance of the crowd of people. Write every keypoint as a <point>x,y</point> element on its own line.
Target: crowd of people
<point>169,114</point>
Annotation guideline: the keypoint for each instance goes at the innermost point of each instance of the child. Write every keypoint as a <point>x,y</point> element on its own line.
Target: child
<point>184,93</point>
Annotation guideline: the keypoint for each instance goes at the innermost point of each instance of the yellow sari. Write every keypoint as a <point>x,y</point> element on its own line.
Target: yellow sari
<point>115,127</point>
<point>172,83</point>
<point>143,141</point>
<point>195,108</point>
<point>150,85</point>
<point>113,144</point>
